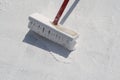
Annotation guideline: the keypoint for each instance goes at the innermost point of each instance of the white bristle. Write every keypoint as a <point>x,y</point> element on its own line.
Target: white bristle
<point>57,34</point>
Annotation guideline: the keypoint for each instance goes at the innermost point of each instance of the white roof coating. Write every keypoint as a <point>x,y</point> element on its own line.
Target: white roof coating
<point>26,56</point>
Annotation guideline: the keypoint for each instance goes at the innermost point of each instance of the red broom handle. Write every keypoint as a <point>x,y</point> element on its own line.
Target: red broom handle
<point>60,12</point>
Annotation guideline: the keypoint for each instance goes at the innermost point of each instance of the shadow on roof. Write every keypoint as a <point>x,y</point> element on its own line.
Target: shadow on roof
<point>34,39</point>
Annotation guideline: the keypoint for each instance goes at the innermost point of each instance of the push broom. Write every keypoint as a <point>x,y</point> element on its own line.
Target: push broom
<point>52,30</point>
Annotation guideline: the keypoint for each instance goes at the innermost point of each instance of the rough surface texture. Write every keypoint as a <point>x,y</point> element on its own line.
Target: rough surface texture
<point>25,56</point>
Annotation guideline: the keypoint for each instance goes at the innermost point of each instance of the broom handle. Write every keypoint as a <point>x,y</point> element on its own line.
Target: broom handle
<point>60,12</point>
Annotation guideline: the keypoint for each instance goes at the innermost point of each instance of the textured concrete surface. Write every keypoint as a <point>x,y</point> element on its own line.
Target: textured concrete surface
<point>26,56</point>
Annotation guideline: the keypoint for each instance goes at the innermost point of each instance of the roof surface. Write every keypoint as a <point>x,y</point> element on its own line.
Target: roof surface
<point>26,56</point>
